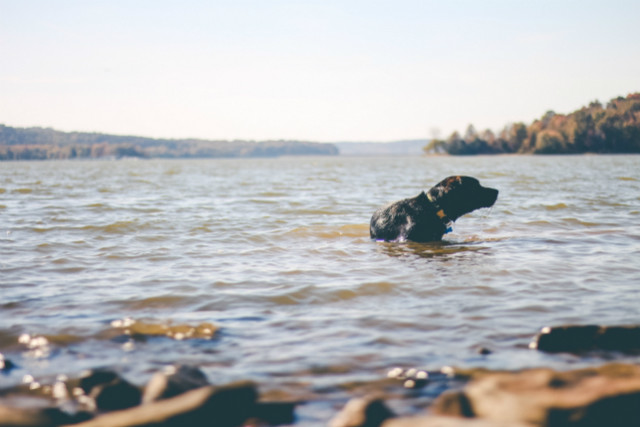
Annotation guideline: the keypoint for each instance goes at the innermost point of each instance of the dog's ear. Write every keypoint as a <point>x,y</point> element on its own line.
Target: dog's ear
<point>448,185</point>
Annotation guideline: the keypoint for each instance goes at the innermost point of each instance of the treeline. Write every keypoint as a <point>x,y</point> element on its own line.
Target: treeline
<point>614,128</point>
<point>45,144</point>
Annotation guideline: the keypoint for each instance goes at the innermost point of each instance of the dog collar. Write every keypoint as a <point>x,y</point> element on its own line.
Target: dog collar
<point>441,214</point>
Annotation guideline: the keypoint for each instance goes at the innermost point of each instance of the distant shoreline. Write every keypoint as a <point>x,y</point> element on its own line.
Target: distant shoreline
<point>48,144</point>
<point>596,128</point>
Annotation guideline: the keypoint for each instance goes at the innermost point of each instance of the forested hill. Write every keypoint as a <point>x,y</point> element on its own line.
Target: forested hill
<point>614,128</point>
<point>42,144</point>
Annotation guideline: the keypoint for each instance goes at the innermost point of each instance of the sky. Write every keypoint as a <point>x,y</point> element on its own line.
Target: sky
<point>316,70</point>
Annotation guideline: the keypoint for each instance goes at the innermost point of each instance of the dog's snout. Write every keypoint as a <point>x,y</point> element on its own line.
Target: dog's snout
<point>492,196</point>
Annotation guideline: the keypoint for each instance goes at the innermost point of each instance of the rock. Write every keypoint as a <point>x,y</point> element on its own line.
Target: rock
<point>110,391</point>
<point>140,330</point>
<point>440,421</point>
<point>608,395</point>
<point>227,406</point>
<point>582,338</point>
<point>372,412</point>
<point>174,380</point>
<point>275,413</point>
<point>95,377</point>
<point>411,378</point>
<point>362,412</point>
<point>12,416</point>
<point>37,417</point>
<point>6,365</point>
<point>119,394</point>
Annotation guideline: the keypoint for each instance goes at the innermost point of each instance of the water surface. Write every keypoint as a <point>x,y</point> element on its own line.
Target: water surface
<point>276,254</point>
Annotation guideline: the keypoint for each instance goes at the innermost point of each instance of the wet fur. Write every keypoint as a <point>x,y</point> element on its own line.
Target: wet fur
<point>425,218</point>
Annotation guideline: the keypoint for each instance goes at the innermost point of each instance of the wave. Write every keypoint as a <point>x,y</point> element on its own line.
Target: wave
<point>324,232</point>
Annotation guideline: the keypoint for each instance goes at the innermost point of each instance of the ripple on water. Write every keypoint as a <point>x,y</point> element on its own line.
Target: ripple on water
<point>117,227</point>
<point>160,301</point>
<point>296,283</point>
<point>557,206</point>
<point>324,232</point>
<point>320,295</point>
<point>579,222</point>
<point>23,190</point>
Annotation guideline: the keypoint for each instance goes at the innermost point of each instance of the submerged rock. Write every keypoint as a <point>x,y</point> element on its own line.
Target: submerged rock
<point>139,329</point>
<point>484,351</point>
<point>411,378</point>
<point>582,338</point>
<point>609,395</point>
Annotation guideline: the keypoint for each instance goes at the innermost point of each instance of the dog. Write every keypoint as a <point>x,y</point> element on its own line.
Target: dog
<point>429,216</point>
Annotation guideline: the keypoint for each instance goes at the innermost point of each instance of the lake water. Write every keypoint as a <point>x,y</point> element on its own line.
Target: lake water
<point>276,254</point>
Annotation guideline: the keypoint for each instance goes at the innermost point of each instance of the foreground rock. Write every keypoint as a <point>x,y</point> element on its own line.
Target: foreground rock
<point>362,412</point>
<point>609,395</point>
<point>174,380</point>
<point>605,396</point>
<point>181,396</point>
<point>583,338</point>
<point>225,407</point>
<point>372,412</point>
<point>178,396</point>
<point>31,417</point>
<point>108,391</point>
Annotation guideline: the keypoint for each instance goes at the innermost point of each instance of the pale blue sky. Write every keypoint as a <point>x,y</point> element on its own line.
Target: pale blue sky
<point>325,70</point>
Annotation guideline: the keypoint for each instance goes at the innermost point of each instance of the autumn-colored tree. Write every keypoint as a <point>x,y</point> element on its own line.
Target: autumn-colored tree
<point>595,129</point>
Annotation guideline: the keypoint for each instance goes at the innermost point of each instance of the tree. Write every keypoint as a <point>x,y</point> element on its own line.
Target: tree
<point>470,134</point>
<point>549,142</point>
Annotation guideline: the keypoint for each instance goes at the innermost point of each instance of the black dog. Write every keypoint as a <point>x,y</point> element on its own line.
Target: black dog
<point>427,217</point>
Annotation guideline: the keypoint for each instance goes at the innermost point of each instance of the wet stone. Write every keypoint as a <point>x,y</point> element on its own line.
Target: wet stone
<point>607,395</point>
<point>173,381</point>
<point>119,394</point>
<point>484,351</point>
<point>6,365</point>
<point>140,331</point>
<point>410,378</point>
<point>228,406</point>
<point>110,391</point>
<point>95,377</point>
<point>36,417</point>
<point>362,412</point>
<point>275,413</point>
<point>584,338</point>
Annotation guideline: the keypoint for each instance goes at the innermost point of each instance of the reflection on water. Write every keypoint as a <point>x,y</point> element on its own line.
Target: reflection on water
<point>275,255</point>
<point>442,249</point>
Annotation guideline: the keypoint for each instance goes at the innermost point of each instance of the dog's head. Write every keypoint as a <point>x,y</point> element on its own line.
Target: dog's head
<point>459,195</point>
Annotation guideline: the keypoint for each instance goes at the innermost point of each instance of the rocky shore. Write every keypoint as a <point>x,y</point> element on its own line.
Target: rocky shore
<point>605,395</point>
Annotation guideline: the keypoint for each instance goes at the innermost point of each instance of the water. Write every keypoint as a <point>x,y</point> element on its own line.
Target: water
<point>276,254</point>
